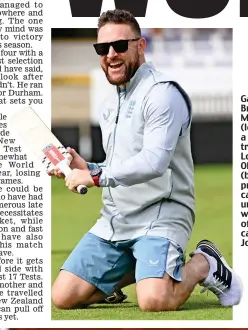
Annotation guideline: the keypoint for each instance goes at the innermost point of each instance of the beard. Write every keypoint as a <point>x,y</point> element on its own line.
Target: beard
<point>129,70</point>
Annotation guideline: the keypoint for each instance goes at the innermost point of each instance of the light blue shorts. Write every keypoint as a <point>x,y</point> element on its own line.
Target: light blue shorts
<point>104,263</point>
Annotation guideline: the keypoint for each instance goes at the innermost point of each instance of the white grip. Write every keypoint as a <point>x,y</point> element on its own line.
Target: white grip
<point>66,170</point>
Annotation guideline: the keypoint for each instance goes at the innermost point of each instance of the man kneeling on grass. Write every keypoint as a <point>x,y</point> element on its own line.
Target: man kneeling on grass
<point>148,189</point>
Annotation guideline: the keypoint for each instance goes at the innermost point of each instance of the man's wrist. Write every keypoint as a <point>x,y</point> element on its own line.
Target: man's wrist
<point>96,174</point>
<point>92,166</point>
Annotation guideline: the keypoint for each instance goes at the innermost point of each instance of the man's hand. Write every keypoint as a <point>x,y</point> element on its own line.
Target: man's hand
<point>78,177</point>
<point>77,162</point>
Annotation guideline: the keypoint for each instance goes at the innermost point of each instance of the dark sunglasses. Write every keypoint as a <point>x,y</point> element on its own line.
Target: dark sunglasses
<point>120,46</point>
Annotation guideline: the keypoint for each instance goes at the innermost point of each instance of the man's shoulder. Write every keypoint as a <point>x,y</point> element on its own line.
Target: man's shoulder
<point>163,87</point>
<point>162,83</point>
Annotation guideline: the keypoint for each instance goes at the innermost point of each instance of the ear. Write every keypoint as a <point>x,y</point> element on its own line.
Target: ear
<point>141,46</point>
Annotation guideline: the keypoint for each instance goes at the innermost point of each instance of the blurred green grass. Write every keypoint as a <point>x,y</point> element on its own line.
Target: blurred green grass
<point>73,215</point>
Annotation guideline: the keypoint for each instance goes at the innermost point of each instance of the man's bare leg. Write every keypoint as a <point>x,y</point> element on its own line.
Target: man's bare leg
<point>207,267</point>
<point>119,296</point>
<point>128,279</point>
<point>69,291</point>
<point>156,294</point>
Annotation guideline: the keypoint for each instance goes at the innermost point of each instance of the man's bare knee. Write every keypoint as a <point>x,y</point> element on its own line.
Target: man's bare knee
<point>157,306</point>
<point>69,291</point>
<point>161,303</point>
<point>61,300</point>
<point>157,295</point>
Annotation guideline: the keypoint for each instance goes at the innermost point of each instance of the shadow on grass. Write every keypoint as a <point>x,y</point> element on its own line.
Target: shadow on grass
<point>190,305</point>
<point>125,304</point>
<point>201,304</point>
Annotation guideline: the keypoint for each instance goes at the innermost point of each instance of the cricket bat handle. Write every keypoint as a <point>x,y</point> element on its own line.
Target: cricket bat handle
<point>65,168</point>
<point>81,189</point>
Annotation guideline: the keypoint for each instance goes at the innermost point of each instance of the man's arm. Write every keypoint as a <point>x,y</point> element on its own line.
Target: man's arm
<point>166,116</point>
